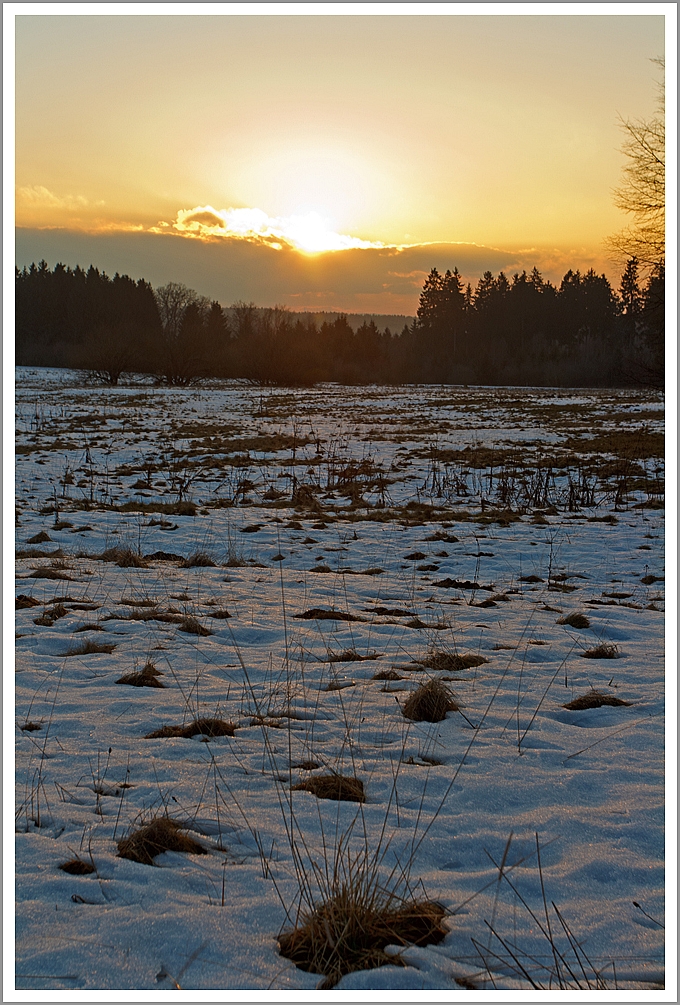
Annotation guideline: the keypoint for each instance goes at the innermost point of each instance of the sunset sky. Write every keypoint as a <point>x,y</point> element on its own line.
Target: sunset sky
<point>325,161</point>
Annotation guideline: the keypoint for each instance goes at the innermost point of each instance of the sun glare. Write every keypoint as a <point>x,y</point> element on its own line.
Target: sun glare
<point>309,233</point>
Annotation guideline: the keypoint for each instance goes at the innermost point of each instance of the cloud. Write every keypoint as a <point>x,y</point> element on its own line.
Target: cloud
<point>384,280</point>
<point>309,232</point>
<point>39,197</point>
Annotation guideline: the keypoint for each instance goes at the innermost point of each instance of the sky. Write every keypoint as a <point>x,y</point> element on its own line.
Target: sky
<point>325,162</point>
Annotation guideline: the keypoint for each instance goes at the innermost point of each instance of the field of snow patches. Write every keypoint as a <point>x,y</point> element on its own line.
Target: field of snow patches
<point>296,564</point>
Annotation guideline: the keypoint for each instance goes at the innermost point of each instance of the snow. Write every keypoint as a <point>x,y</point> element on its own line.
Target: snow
<point>513,761</point>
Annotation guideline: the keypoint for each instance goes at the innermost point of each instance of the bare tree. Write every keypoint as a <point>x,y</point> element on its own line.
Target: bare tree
<point>173,300</point>
<point>643,191</point>
<point>183,313</point>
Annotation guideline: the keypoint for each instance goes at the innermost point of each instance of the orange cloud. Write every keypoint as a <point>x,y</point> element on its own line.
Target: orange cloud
<point>310,232</point>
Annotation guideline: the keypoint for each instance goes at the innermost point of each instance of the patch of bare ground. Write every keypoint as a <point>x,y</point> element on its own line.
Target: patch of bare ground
<point>77,867</point>
<point>198,727</point>
<point>162,834</point>
<point>594,699</point>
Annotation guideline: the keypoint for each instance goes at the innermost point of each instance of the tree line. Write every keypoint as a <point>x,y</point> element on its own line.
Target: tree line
<point>518,330</point>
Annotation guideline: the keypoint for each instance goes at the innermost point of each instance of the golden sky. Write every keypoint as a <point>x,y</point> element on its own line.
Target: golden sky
<point>355,134</point>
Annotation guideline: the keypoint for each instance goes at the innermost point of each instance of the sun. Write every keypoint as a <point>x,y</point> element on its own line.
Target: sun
<point>309,233</point>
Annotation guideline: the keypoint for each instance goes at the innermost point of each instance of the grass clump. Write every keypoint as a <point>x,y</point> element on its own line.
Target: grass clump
<point>323,614</point>
<point>89,648</point>
<point>162,834</point>
<point>445,662</point>
<point>124,558</point>
<point>387,675</point>
<point>349,931</point>
<point>429,703</point>
<point>193,627</point>
<point>198,727</point>
<point>51,615</point>
<point>575,620</point>
<point>391,612</point>
<point>146,677</point>
<point>40,538</point>
<point>351,656</point>
<point>339,787</point>
<point>76,867</point>
<point>605,651</point>
<point>47,572</point>
<point>594,699</point>
<point>23,602</point>
<point>199,560</point>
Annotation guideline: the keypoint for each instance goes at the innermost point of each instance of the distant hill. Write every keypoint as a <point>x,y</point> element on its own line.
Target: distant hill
<point>395,322</point>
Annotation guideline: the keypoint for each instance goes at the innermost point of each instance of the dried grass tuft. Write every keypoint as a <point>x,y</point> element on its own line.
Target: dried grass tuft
<point>575,620</point>
<point>22,602</point>
<point>445,662</point>
<point>89,648</point>
<point>387,675</point>
<point>323,614</point>
<point>221,614</point>
<point>199,560</point>
<point>605,651</point>
<point>429,703</point>
<point>48,573</point>
<point>349,932</point>
<point>351,656</point>
<point>40,538</point>
<point>198,727</point>
<point>146,677</point>
<point>162,834</point>
<point>594,699</point>
<point>124,558</point>
<point>340,787</point>
<point>193,627</point>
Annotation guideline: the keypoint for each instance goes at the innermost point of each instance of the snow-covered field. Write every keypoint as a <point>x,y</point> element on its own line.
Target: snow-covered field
<point>444,522</point>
